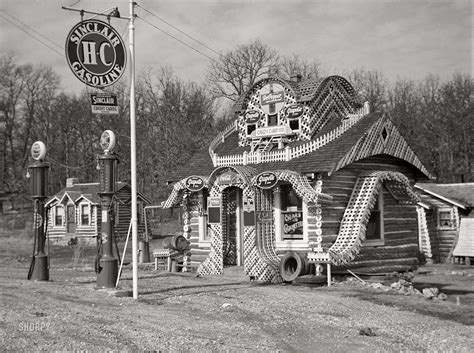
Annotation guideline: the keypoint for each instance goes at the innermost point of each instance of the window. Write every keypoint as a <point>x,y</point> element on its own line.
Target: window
<point>58,215</point>
<point>272,120</point>
<point>251,128</point>
<point>294,124</point>
<point>445,218</point>
<point>292,214</point>
<point>374,234</point>
<point>85,214</point>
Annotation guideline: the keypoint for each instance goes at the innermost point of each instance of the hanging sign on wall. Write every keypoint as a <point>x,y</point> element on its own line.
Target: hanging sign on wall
<point>194,183</point>
<point>266,180</point>
<point>95,53</point>
<point>213,210</point>
<point>249,210</point>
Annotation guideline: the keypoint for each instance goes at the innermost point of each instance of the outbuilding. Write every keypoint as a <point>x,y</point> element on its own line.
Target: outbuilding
<point>75,211</point>
<point>305,175</point>
<point>447,221</point>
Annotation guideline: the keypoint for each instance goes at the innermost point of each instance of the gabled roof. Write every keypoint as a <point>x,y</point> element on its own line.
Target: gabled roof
<point>304,90</point>
<point>372,135</point>
<point>87,190</point>
<point>459,194</point>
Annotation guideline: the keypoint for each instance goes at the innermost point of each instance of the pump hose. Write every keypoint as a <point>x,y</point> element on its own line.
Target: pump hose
<point>32,264</point>
<point>98,256</point>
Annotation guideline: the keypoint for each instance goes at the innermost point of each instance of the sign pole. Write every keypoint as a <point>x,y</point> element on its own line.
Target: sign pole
<point>133,153</point>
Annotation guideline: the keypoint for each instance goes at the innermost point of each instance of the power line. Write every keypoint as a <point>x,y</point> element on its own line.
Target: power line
<point>179,40</point>
<point>32,36</point>
<point>32,29</point>
<point>179,30</point>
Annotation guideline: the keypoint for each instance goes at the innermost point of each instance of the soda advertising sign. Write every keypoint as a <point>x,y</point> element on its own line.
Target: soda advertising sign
<point>272,98</point>
<point>95,53</point>
<point>252,116</point>
<point>104,103</point>
<point>266,180</point>
<point>229,178</point>
<point>294,111</point>
<point>194,183</point>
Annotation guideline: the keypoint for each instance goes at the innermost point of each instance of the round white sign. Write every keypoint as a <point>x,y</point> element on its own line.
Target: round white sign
<point>107,140</point>
<point>96,53</point>
<point>38,150</point>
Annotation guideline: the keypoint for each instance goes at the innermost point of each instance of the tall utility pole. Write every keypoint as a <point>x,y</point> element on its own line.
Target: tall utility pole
<point>133,152</point>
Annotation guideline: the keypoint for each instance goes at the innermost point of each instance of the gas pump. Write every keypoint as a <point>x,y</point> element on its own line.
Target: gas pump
<point>107,264</point>
<point>38,171</point>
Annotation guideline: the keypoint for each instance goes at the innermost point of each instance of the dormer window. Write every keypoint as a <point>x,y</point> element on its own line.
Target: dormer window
<point>294,124</point>
<point>251,128</point>
<point>272,120</point>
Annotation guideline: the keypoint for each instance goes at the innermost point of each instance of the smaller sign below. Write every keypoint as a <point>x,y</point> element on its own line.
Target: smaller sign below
<point>104,103</point>
<point>270,131</point>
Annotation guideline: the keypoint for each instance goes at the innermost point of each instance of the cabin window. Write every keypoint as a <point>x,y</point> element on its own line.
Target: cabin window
<point>291,214</point>
<point>251,128</point>
<point>58,215</point>
<point>85,215</point>
<point>272,120</point>
<point>445,218</point>
<point>374,234</point>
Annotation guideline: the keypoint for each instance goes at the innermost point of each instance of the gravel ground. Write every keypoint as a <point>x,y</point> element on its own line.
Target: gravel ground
<point>179,312</point>
<point>182,312</point>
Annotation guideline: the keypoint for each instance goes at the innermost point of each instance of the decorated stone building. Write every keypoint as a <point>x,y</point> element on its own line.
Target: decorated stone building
<point>306,174</point>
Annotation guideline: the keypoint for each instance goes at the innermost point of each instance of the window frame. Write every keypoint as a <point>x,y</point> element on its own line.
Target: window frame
<point>381,238</point>
<point>452,223</point>
<point>83,214</point>
<point>279,212</point>
<point>56,208</point>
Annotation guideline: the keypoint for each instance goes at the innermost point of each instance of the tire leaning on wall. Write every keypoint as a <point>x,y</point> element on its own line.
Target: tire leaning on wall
<point>292,265</point>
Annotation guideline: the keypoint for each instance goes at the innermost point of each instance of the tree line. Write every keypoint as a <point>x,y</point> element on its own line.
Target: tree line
<point>175,118</point>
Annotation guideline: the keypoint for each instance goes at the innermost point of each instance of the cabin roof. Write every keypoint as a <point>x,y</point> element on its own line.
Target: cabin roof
<point>89,191</point>
<point>457,194</point>
<point>360,141</point>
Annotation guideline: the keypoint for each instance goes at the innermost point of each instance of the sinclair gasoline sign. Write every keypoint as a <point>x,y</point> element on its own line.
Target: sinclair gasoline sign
<point>95,53</point>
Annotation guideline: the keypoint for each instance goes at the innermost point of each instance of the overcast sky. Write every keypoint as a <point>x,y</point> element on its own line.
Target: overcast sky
<point>403,38</point>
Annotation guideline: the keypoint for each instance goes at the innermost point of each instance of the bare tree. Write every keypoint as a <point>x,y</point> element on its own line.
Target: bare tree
<point>294,64</point>
<point>236,71</point>
<point>371,85</point>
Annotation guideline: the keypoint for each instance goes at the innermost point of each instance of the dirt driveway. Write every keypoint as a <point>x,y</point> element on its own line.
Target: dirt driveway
<point>180,312</point>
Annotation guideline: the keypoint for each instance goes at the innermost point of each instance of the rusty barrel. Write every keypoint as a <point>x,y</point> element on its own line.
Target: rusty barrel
<point>176,242</point>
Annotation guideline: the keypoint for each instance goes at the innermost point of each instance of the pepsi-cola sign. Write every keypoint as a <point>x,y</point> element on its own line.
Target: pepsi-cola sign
<point>294,111</point>
<point>252,116</point>
<point>95,53</point>
<point>266,180</point>
<point>194,183</point>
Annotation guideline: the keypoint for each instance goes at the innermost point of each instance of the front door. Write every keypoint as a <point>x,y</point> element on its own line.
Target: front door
<point>70,219</point>
<point>232,227</point>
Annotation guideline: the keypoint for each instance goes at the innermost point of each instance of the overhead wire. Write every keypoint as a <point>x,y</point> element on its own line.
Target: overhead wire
<point>179,30</point>
<point>175,38</point>
<point>28,33</point>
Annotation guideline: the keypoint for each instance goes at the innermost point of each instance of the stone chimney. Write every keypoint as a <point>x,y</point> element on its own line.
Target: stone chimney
<point>71,181</point>
<point>296,77</point>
